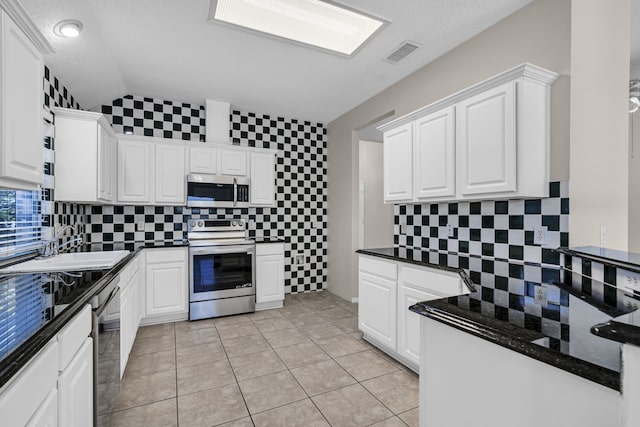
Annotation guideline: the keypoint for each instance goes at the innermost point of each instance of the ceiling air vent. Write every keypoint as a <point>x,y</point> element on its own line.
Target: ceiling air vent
<point>402,51</point>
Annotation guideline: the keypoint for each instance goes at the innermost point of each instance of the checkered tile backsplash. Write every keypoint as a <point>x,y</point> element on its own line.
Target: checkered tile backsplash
<point>494,229</point>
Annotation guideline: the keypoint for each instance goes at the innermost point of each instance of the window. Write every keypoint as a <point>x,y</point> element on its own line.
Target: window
<point>20,222</point>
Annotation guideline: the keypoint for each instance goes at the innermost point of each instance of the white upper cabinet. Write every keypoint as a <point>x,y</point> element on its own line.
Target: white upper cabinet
<point>434,160</point>
<point>486,135</point>
<point>398,170</point>
<point>489,141</point>
<point>134,171</point>
<point>262,179</point>
<point>85,157</point>
<point>170,175</point>
<point>151,171</point>
<point>21,101</point>
<point>233,162</point>
<point>203,160</point>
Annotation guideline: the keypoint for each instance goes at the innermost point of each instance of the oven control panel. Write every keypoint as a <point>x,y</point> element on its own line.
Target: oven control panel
<point>216,225</point>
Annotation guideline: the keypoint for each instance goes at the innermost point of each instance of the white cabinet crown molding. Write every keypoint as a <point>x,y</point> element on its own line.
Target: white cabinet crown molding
<point>15,10</point>
<point>527,71</point>
<point>84,115</point>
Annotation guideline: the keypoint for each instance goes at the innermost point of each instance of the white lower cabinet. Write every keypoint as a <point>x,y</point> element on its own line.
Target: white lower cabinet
<point>55,388</point>
<point>166,285</point>
<point>269,275</point>
<point>47,413</point>
<point>386,291</point>
<point>25,396</point>
<point>75,389</point>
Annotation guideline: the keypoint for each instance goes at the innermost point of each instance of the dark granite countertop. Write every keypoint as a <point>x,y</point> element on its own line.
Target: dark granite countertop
<point>531,309</point>
<point>47,321</point>
<point>626,260</point>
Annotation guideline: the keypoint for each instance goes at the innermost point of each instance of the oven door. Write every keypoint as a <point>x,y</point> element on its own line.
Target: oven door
<point>221,272</point>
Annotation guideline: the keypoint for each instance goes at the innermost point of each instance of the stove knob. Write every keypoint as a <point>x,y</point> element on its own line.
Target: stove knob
<point>241,223</point>
<point>192,224</point>
<point>200,223</point>
<point>234,223</point>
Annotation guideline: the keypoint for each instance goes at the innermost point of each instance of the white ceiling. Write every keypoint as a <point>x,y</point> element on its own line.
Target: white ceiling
<point>167,49</point>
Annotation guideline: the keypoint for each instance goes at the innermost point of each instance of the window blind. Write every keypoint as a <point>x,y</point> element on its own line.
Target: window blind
<point>23,304</point>
<point>20,222</point>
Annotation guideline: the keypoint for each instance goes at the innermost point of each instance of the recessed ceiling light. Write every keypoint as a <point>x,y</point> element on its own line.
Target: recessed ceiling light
<point>68,28</point>
<point>312,22</point>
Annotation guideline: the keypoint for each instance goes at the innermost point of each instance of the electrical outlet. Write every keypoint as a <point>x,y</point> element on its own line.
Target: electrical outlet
<point>630,280</point>
<point>450,230</point>
<point>603,235</point>
<point>540,295</point>
<point>403,228</point>
<point>252,224</point>
<point>299,259</point>
<point>540,235</point>
<point>140,226</point>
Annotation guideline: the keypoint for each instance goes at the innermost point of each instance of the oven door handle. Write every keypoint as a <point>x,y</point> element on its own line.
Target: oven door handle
<point>235,191</point>
<point>221,250</point>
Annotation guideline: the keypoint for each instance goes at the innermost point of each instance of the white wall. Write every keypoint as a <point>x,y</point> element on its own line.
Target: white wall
<point>599,189</point>
<point>538,33</point>
<point>378,217</point>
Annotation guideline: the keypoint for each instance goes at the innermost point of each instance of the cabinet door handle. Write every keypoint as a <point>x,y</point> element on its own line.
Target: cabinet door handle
<point>235,191</point>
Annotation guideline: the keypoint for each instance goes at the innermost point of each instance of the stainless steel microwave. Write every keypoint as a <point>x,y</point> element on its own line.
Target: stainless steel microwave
<point>214,191</point>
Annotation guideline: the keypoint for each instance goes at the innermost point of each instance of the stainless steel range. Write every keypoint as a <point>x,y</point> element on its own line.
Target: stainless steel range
<point>222,268</point>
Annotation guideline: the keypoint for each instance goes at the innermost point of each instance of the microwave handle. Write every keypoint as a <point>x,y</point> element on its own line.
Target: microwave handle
<point>235,191</point>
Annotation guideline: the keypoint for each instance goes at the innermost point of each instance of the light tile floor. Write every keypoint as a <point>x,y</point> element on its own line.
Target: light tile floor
<point>303,365</point>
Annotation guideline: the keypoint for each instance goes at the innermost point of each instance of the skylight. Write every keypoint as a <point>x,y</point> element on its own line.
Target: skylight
<point>312,22</point>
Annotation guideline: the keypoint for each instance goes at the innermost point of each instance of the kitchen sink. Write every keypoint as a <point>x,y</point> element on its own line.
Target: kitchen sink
<point>77,261</point>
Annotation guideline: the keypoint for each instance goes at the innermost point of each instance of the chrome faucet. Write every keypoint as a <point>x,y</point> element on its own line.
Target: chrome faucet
<point>51,247</point>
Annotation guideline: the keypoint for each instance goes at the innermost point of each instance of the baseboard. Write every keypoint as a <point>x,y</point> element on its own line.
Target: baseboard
<point>269,305</point>
<point>167,318</point>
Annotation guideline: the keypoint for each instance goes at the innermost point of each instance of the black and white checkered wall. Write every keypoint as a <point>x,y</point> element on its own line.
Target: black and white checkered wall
<point>137,115</point>
<point>491,229</point>
<point>56,214</point>
<point>300,217</point>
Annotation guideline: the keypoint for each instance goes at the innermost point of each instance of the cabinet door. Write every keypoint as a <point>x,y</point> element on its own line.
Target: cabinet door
<point>434,161</point>
<point>125,328</point>
<point>75,389</point>
<point>377,309</point>
<point>262,179</point>
<point>134,171</point>
<point>21,95</point>
<point>269,278</point>
<point>106,164</point>
<point>22,398</point>
<point>170,176</point>
<point>398,167</point>
<point>166,286</point>
<point>486,142</point>
<point>203,160</point>
<point>233,162</point>
<point>47,414</point>
<point>409,322</point>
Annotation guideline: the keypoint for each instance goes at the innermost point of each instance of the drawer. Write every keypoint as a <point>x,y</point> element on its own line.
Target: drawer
<point>155,256</point>
<point>71,337</point>
<point>270,249</point>
<point>378,267</point>
<point>443,283</point>
<point>29,389</point>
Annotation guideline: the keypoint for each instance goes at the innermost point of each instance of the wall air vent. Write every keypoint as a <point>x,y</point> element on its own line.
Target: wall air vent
<point>402,51</point>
